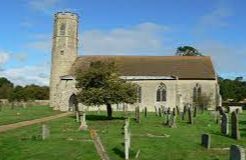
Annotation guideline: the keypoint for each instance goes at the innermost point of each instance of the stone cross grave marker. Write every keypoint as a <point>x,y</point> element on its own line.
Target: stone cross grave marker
<point>235,133</point>
<point>237,153</point>
<point>206,140</point>
<point>224,124</point>
<point>83,125</point>
<point>45,132</point>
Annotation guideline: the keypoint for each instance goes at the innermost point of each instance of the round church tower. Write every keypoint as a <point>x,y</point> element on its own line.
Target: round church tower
<point>64,49</point>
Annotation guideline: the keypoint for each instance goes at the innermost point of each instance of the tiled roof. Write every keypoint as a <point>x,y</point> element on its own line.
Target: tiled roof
<point>184,67</point>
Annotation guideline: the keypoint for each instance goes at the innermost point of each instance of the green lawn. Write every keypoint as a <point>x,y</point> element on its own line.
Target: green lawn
<point>183,143</point>
<point>8,115</point>
<point>66,142</point>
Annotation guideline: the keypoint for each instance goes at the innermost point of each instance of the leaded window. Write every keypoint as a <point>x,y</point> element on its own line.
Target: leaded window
<point>161,93</point>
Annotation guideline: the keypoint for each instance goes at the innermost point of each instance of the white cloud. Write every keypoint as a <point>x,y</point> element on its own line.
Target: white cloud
<point>40,42</point>
<point>145,38</point>
<point>4,57</point>
<point>228,60</point>
<point>43,5</point>
<point>28,75</point>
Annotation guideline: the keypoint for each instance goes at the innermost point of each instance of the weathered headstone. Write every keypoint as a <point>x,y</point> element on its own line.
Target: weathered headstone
<point>77,116</point>
<point>83,125</point>
<point>173,119</point>
<point>184,112</point>
<point>159,112</point>
<point>237,111</point>
<point>145,111</point>
<point>137,114</point>
<point>168,117</point>
<point>156,111</point>
<point>190,117</point>
<point>237,153</point>
<point>195,111</point>
<point>235,133</point>
<point>45,132</point>
<point>127,139</point>
<point>177,108</point>
<point>205,140</point>
<point>224,124</point>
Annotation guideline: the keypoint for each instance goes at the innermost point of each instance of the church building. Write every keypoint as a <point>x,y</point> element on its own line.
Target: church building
<point>168,81</point>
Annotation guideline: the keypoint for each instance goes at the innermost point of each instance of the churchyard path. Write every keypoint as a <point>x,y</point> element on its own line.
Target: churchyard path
<point>8,127</point>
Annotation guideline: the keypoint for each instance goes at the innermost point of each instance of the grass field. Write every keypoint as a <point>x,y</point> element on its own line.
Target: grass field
<point>8,115</point>
<point>66,142</point>
<point>183,143</point>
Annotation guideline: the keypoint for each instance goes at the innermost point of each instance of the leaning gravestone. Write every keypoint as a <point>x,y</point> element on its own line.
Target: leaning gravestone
<point>224,124</point>
<point>206,140</point>
<point>237,153</point>
<point>190,117</point>
<point>235,133</point>
<point>45,132</point>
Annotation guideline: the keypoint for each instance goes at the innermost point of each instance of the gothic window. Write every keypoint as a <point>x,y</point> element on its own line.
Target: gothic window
<point>197,92</point>
<point>161,93</point>
<point>62,29</point>
<point>139,94</point>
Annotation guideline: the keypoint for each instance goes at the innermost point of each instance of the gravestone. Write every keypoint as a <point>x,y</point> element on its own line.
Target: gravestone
<point>159,112</point>
<point>77,116</point>
<point>173,119</point>
<point>83,125</point>
<point>127,139</point>
<point>137,114</point>
<point>190,117</point>
<point>145,111</point>
<point>156,111</point>
<point>184,112</point>
<point>235,126</point>
<point>168,117</point>
<point>237,111</point>
<point>1,106</point>
<point>177,108</point>
<point>205,140</point>
<point>237,153</point>
<point>45,132</point>
<point>195,111</point>
<point>224,124</point>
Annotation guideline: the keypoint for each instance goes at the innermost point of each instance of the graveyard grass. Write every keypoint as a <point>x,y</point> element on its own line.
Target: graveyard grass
<point>67,142</point>
<point>184,141</point>
<point>64,143</point>
<point>18,114</point>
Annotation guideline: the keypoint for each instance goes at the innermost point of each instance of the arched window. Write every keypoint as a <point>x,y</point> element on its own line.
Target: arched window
<point>62,29</point>
<point>139,94</point>
<point>197,93</point>
<point>161,93</point>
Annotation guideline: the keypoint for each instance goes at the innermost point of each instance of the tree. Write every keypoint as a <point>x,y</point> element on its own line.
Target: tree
<point>187,51</point>
<point>101,85</point>
<point>6,88</point>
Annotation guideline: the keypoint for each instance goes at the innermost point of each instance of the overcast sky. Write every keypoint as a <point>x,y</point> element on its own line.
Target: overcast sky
<point>126,27</point>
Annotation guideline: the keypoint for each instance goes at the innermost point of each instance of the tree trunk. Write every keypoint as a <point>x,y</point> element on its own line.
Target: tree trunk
<point>109,111</point>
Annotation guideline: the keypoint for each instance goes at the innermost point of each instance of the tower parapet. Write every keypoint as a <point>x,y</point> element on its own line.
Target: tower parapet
<point>64,49</point>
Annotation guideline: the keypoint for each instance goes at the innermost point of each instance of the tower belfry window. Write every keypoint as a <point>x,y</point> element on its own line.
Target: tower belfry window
<point>62,29</point>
